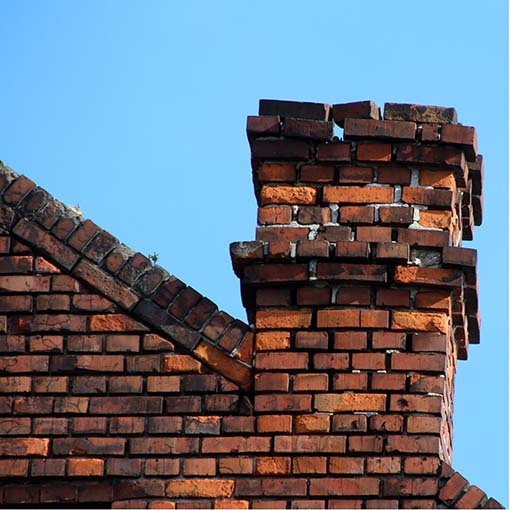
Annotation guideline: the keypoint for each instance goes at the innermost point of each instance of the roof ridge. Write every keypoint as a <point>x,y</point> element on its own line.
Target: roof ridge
<point>128,278</point>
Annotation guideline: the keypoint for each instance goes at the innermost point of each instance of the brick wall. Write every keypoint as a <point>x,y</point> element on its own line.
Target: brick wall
<point>121,386</point>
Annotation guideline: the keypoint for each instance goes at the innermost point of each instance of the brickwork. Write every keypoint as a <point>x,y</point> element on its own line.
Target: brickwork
<point>120,385</point>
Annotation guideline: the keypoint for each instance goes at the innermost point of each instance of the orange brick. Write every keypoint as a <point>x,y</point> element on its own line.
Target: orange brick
<point>274,423</point>
<point>338,318</point>
<point>272,466</point>
<point>374,152</point>
<point>309,423</point>
<point>236,465</point>
<point>357,381</point>
<point>418,321</point>
<point>288,195</point>
<point>201,488</point>
<point>421,465</point>
<point>358,195</point>
<point>335,402</point>
<point>274,215</point>
<point>310,382</point>
<point>163,384</point>
<point>436,219</point>
<point>231,504</point>
<point>272,340</point>
<point>423,362</point>
<point>437,178</point>
<point>85,467</point>
<point>181,363</point>
<point>277,319</point>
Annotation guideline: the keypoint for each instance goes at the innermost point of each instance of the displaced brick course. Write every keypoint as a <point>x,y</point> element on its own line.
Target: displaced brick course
<point>120,385</point>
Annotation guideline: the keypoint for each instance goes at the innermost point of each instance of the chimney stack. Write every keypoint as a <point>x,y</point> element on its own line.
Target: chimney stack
<point>361,295</point>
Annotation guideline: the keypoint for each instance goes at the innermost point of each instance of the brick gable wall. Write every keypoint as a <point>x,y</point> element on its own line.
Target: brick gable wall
<point>121,386</point>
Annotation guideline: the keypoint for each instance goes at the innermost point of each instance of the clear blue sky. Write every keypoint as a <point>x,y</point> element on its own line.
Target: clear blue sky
<point>135,110</point>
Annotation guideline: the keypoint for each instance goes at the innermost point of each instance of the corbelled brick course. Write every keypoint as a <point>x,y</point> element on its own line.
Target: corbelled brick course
<point>120,385</point>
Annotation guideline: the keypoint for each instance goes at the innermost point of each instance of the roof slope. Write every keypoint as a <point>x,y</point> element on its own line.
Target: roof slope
<point>148,292</point>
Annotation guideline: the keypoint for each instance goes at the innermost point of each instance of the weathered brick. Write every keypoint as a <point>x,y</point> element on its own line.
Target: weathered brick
<point>394,174</point>
<point>89,425</point>
<point>420,113</point>
<point>125,405</point>
<point>271,466</point>
<point>278,319</point>
<point>271,382</point>
<point>374,152</point>
<point>236,444</point>
<point>280,215</point>
<point>135,425</point>
<point>344,486</point>
<point>356,215</point>
<point>317,173</point>
<point>388,382</point>
<point>425,362</point>
<point>386,129</point>
<point>393,298</point>
<point>268,125</point>
<point>396,215</point>
<point>85,467</point>
<point>350,381</point>
<point>351,272</point>
<point>48,467</point>
<point>280,149</point>
<point>350,340</point>
<point>312,465</point>
<point>386,422</point>
<point>163,445</point>
<point>312,423</point>
<point>310,444</point>
<point>123,467</point>
<point>421,466</point>
<point>416,403</point>
<point>295,109</point>
<point>412,444</point>
<point>419,321</point>
<point>336,361</point>
<point>206,425</point>
<point>199,467</point>
<point>355,110</point>
<point>274,423</point>
<point>283,403</point>
<point>346,465</point>
<point>306,128</point>
<point>14,426</point>
<point>335,402</point>
<point>374,235</point>
<point>357,195</point>
<point>24,447</point>
<point>407,486</point>
<point>337,151</point>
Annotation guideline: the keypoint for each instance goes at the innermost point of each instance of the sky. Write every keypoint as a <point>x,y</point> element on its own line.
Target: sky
<point>136,111</point>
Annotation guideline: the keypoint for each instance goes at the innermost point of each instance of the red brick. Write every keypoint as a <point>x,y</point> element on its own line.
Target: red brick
<point>156,424</point>
<point>374,318</point>
<point>312,465</point>
<point>273,297</point>
<point>161,467</point>
<point>431,197</point>
<point>349,423</point>
<point>393,298</point>
<point>374,234</point>
<point>394,174</point>
<point>311,340</point>
<point>125,384</point>
<point>350,341</point>
<point>334,152</point>
<point>109,286</point>
<point>418,362</point>
<point>369,361</point>
<point>295,109</point>
<point>338,318</point>
<point>313,296</point>
<point>428,276</point>
<point>368,128</point>
<point>232,424</point>
<point>350,504</point>
<point>409,486</point>
<point>310,444</point>
<point>274,215</point>
<point>274,423</point>
<point>48,426</point>
<point>396,215</point>
<point>23,363</point>
<point>316,173</point>
<point>356,110</point>
<point>365,443</point>
<point>383,465</point>
<point>312,249</point>
<point>275,235</point>
<point>235,444</point>
<point>264,125</point>
<point>88,384</point>
<point>357,195</point>
<point>373,152</point>
<point>123,467</point>
<point>388,340</point>
<point>353,296</point>
<point>419,383</point>
<point>386,422</point>
<point>164,384</point>
<point>355,381</point>
<point>275,172</point>
<point>355,175</point>
<point>236,465</point>
<point>453,487</point>
<point>199,467</point>
<point>420,237</point>
<point>13,426</point>
<point>388,382</point>
<point>356,215</point>
<point>310,215</point>
<point>184,404</point>
<point>464,136</point>
<point>134,425</point>
<point>33,405</point>
<point>344,487</point>
<point>163,445</point>
<point>424,425</point>
<point>50,384</point>
<point>351,272</point>
<point>283,403</point>
<point>306,128</point>
<point>416,403</point>
<point>346,465</point>
<point>125,405</point>
<point>421,466</point>
<point>48,467</point>
<point>334,234</point>
<point>288,195</point>
<point>272,382</point>
<point>325,361</point>
<point>15,384</point>
<point>471,499</point>
<point>24,447</point>
<point>349,249</point>
<point>89,425</point>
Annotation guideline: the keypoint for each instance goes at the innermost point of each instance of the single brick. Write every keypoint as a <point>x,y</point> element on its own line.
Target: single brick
<point>373,152</point>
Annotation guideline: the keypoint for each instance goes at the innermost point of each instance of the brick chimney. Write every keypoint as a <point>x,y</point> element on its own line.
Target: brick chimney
<point>361,296</point>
